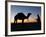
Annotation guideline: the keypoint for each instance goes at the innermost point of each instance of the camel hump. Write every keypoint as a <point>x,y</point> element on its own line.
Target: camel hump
<point>20,15</point>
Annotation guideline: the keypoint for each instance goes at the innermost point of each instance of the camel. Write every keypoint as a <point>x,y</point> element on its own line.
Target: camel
<point>21,16</point>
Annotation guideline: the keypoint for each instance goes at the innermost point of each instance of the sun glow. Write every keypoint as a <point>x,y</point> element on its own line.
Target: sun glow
<point>25,21</point>
<point>19,21</point>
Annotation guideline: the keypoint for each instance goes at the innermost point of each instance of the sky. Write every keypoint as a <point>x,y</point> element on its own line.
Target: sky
<point>25,9</point>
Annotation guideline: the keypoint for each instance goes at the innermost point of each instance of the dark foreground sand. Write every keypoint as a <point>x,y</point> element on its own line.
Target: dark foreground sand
<point>25,26</point>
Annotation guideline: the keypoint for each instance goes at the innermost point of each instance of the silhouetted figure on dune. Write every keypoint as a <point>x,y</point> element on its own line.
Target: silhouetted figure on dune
<point>38,19</point>
<point>21,16</point>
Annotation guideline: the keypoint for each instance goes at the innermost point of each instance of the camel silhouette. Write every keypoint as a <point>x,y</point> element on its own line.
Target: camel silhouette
<point>21,16</point>
<point>38,18</point>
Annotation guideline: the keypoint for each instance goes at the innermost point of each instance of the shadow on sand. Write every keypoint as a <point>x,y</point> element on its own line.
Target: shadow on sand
<point>25,26</point>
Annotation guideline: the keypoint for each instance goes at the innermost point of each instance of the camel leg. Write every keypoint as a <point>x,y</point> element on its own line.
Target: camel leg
<point>23,21</point>
<point>14,21</point>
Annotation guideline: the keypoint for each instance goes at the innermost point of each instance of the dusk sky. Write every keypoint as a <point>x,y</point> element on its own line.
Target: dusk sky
<point>25,9</point>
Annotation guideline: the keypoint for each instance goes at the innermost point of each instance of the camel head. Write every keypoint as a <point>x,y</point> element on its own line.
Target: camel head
<point>28,15</point>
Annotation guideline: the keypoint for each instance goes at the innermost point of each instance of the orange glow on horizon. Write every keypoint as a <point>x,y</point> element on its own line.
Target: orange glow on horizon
<point>25,21</point>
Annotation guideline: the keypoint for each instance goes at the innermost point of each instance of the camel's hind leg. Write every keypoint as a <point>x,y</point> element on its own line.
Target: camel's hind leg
<point>14,21</point>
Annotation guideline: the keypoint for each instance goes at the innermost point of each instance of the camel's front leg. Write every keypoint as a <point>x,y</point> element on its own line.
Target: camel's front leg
<point>23,21</point>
